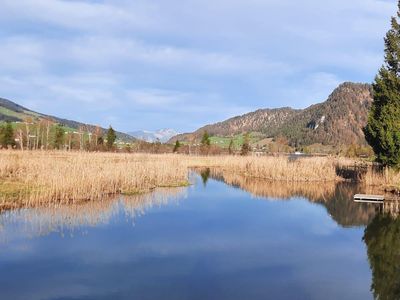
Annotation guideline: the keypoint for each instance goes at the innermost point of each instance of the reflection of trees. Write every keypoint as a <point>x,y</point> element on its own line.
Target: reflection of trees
<point>337,198</point>
<point>70,217</point>
<point>382,238</point>
<point>344,210</point>
<point>205,174</point>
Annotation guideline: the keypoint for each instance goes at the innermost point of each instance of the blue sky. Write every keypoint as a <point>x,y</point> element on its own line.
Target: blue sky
<point>140,64</point>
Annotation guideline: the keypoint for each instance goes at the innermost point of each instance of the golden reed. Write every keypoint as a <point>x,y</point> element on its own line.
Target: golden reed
<point>32,178</point>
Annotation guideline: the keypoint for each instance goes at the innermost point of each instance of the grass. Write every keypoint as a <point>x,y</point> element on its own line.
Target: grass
<point>32,178</point>
<point>10,113</point>
<point>238,140</point>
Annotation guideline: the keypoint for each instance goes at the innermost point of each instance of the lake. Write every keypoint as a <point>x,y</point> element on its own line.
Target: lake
<point>224,237</point>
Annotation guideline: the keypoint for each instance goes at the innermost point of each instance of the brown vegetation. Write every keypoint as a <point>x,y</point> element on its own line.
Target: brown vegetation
<point>30,178</point>
<point>278,168</point>
<point>35,177</point>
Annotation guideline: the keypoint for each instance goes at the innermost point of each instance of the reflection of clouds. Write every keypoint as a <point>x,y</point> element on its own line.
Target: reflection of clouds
<point>217,241</point>
<point>66,219</point>
<point>324,229</point>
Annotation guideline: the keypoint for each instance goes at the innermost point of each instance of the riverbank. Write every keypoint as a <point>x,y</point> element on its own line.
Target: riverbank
<point>32,178</point>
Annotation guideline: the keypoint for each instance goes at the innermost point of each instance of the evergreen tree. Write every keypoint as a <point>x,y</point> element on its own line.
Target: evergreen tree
<point>205,141</point>
<point>59,137</point>
<point>383,129</point>
<point>111,137</point>
<point>246,145</point>
<point>177,145</point>
<point>7,135</point>
<point>230,148</point>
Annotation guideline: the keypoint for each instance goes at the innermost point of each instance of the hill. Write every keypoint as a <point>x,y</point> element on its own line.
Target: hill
<point>338,120</point>
<point>13,112</point>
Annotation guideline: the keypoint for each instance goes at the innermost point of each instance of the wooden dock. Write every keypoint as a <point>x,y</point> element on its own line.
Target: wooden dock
<point>369,198</point>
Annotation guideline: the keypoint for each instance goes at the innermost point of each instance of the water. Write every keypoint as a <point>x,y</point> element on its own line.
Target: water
<point>242,240</point>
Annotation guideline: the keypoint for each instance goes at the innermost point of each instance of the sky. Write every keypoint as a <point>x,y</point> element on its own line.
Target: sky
<point>141,64</point>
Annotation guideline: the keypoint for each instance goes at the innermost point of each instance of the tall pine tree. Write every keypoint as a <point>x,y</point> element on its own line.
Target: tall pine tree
<point>176,147</point>
<point>246,148</point>
<point>205,140</point>
<point>7,135</point>
<point>111,137</point>
<point>59,137</point>
<point>383,129</point>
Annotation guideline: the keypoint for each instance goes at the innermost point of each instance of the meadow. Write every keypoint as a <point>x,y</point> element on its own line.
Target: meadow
<point>31,178</point>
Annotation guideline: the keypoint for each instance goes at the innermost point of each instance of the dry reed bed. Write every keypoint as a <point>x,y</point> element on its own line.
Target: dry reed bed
<point>279,168</point>
<point>34,177</point>
<point>388,179</point>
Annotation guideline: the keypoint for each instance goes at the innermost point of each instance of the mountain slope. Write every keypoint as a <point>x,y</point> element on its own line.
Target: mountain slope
<point>260,120</point>
<point>11,111</point>
<point>338,120</point>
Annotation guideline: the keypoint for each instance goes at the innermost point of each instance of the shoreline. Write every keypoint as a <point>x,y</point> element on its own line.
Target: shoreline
<point>33,178</point>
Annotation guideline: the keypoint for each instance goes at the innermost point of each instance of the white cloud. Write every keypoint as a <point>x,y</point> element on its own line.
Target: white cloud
<point>80,15</point>
<point>156,98</point>
<point>200,59</point>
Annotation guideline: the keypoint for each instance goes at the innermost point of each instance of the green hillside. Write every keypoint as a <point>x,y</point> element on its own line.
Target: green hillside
<point>13,112</point>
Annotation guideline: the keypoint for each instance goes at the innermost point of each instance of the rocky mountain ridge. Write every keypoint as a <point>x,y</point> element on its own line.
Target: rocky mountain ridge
<point>338,120</point>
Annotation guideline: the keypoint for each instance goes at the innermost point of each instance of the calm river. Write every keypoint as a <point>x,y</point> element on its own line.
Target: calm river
<point>221,238</point>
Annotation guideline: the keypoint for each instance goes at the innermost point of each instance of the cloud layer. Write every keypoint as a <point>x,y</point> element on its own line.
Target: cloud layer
<point>151,64</point>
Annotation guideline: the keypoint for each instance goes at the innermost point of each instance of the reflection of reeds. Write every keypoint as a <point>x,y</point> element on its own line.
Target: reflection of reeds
<point>66,218</point>
<point>278,168</point>
<point>277,189</point>
<point>336,197</point>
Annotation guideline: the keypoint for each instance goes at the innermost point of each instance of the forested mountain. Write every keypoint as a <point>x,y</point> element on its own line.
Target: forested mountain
<point>338,120</point>
<point>10,111</point>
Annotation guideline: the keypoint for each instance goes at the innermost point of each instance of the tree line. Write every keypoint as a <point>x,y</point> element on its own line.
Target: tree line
<point>46,134</point>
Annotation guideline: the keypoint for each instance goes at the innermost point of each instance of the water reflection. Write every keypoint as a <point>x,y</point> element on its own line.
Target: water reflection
<point>337,198</point>
<point>382,238</point>
<point>205,175</point>
<point>68,219</point>
<point>216,244</point>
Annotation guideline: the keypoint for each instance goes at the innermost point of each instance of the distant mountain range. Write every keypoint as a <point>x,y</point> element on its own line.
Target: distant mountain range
<point>162,135</point>
<point>11,111</point>
<point>338,120</point>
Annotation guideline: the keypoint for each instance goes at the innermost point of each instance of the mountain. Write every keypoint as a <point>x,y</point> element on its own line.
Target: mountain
<point>338,120</point>
<point>11,111</point>
<point>163,135</point>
